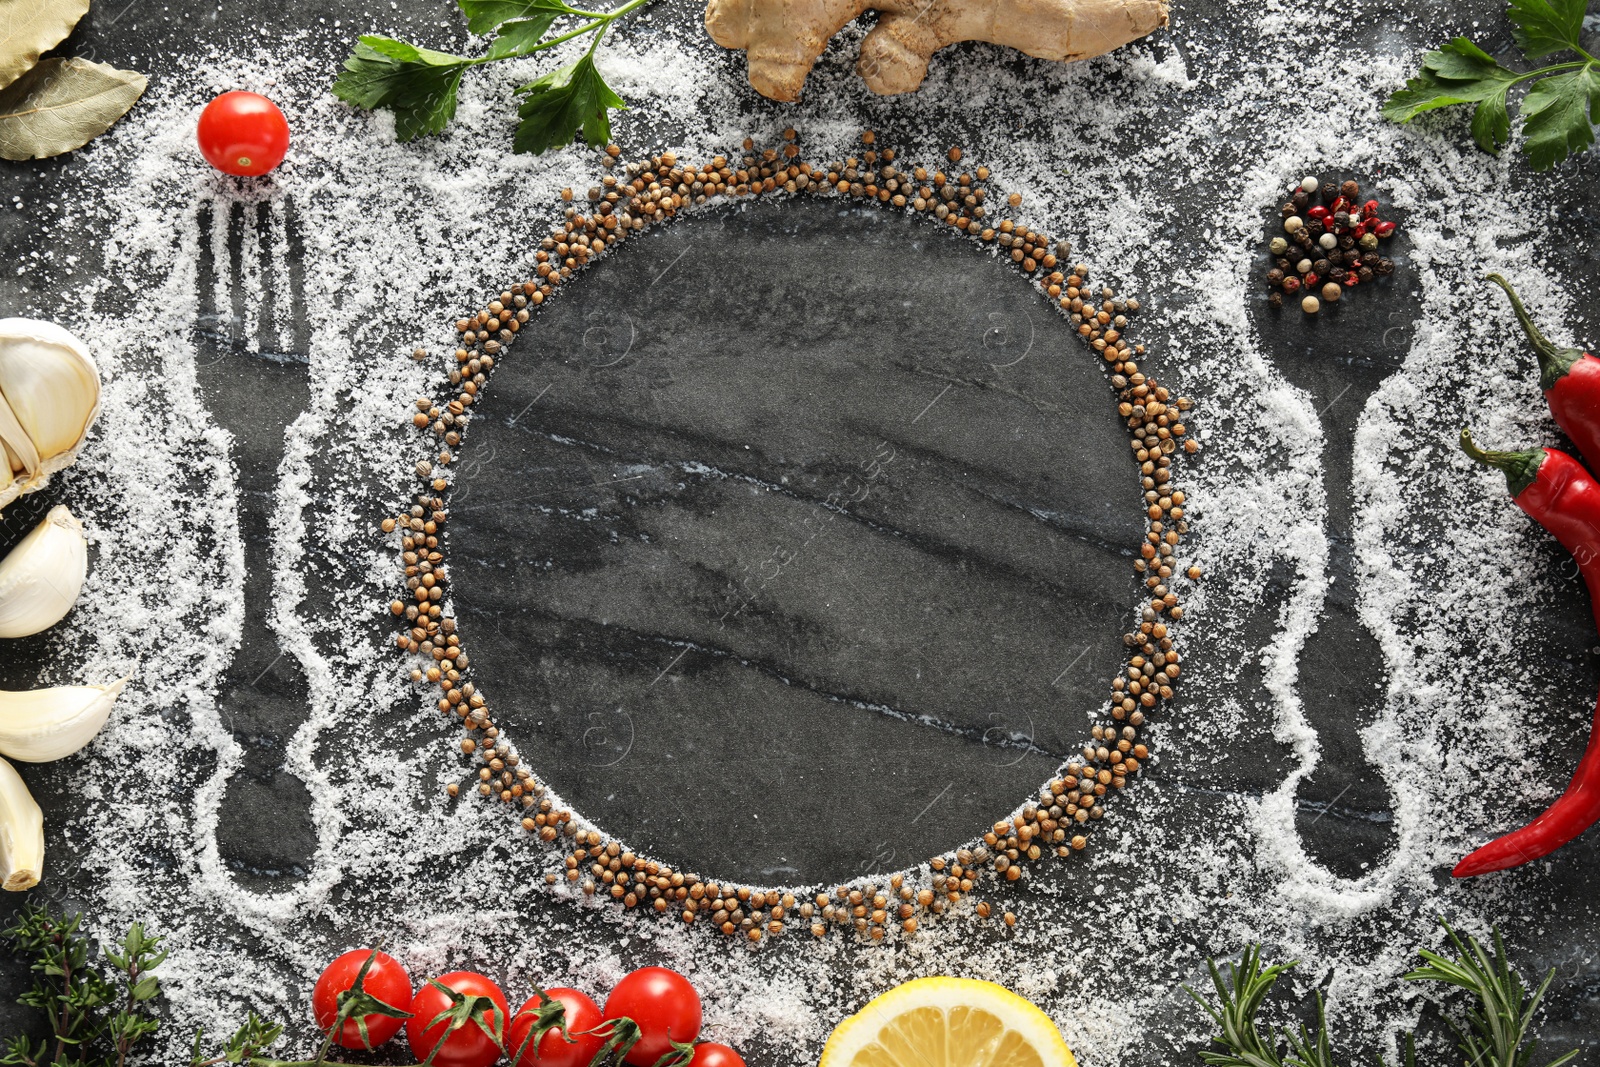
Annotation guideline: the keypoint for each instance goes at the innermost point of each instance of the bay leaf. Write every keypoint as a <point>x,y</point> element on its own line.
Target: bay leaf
<point>63,104</point>
<point>29,28</point>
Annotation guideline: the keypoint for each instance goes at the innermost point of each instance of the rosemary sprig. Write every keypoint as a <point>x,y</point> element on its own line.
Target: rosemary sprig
<point>1239,999</point>
<point>1498,1026</point>
<point>1496,1034</point>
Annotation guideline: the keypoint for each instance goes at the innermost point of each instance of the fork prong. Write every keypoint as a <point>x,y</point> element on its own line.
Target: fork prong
<point>205,269</point>
<point>236,289</point>
<point>267,281</point>
<point>294,259</point>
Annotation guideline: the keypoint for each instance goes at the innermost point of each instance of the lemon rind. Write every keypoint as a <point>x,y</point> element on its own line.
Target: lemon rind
<point>1018,1013</point>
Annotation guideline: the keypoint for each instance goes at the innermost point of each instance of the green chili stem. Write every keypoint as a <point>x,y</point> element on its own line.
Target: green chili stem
<point>1520,468</point>
<point>1553,360</point>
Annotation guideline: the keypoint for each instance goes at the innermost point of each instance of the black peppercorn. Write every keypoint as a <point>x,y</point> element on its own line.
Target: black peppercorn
<point>1288,209</point>
<point>1370,258</point>
<point>1337,274</point>
<point>1365,274</point>
<point>1336,257</point>
<point>1347,242</point>
<point>1284,264</point>
<point>1315,227</point>
<point>1301,199</point>
<point>1274,277</point>
<point>1322,266</point>
<point>1342,219</point>
<point>1330,192</point>
<point>1275,299</point>
<point>1350,190</point>
<point>1302,238</point>
<point>1385,266</point>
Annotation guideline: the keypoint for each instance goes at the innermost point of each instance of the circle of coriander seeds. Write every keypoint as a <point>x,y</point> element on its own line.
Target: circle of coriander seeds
<point>629,198</point>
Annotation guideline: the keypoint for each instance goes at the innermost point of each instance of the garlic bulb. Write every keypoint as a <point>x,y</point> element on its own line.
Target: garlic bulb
<point>48,724</point>
<point>49,396</point>
<point>21,833</point>
<point>41,578</point>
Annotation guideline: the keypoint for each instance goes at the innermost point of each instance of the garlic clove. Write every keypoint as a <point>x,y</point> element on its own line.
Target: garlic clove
<point>21,456</point>
<point>21,833</point>
<point>49,397</point>
<point>41,725</point>
<point>41,578</point>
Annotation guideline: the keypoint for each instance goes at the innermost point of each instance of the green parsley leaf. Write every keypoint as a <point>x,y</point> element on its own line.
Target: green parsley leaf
<point>1556,116</point>
<point>520,37</point>
<point>484,16</point>
<point>561,103</point>
<point>1491,124</point>
<point>1458,73</point>
<point>418,84</point>
<point>1545,26</point>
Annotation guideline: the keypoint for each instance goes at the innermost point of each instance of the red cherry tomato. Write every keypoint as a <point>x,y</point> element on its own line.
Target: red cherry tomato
<point>243,133</point>
<point>468,1045</point>
<point>386,979</point>
<point>712,1054</point>
<point>665,1006</point>
<point>553,1049</point>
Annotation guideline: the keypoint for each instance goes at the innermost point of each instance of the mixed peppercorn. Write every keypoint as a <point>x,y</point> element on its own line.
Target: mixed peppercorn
<point>1331,242</point>
<point>1056,822</point>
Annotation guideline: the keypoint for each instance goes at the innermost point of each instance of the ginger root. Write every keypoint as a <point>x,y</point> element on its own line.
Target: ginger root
<point>783,38</point>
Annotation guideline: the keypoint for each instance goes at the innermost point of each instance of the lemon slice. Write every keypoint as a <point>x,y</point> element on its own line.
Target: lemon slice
<point>947,1022</point>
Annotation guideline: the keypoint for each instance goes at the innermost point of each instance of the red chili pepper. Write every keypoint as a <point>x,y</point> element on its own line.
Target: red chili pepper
<point>1556,491</point>
<point>1570,379</point>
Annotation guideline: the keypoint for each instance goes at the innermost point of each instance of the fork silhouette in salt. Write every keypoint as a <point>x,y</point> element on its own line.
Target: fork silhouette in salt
<point>252,341</point>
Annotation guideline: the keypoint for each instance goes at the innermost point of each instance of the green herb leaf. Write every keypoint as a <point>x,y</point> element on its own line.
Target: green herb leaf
<point>1545,26</point>
<point>485,16</point>
<point>418,84</point>
<point>1556,116</point>
<point>520,37</point>
<point>29,28</point>
<point>563,102</point>
<point>1496,1033</point>
<point>1458,73</point>
<point>63,104</point>
<point>1491,124</point>
<point>1239,999</point>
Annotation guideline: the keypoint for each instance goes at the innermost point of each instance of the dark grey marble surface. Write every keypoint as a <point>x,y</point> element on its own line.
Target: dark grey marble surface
<point>621,650</point>
<point>718,530</point>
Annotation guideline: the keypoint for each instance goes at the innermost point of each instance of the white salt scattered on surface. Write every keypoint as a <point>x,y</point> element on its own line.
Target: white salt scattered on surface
<point>402,238</point>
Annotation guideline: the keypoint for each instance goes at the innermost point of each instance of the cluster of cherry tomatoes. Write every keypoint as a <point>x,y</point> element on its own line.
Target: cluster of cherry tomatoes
<point>462,1019</point>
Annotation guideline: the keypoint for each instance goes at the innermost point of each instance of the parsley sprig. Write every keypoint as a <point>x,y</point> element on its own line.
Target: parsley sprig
<point>1496,1033</point>
<point>419,85</point>
<point>1560,107</point>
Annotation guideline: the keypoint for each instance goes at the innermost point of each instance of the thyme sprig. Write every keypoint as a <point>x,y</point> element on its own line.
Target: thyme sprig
<point>95,1019</point>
